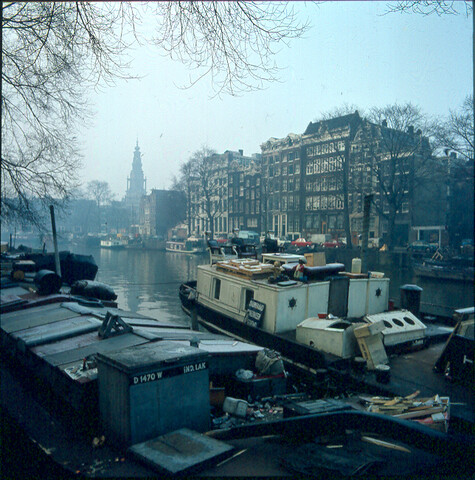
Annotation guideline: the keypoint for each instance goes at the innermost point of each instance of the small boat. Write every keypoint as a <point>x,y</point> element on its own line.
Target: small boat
<point>73,266</point>
<point>451,269</point>
<point>236,248</point>
<point>191,246</point>
<point>113,244</point>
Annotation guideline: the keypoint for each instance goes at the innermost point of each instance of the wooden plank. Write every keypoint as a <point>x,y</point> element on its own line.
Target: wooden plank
<point>65,345</point>
<point>57,330</point>
<point>33,317</point>
<point>32,311</point>
<point>107,345</point>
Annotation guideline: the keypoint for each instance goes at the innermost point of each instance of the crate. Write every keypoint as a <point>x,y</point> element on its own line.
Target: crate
<point>152,389</point>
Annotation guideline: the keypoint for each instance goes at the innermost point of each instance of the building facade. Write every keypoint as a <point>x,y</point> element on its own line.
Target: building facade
<point>227,196</point>
<point>160,211</point>
<point>315,183</point>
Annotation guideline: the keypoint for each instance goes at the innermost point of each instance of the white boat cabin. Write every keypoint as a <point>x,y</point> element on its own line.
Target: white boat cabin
<point>240,288</point>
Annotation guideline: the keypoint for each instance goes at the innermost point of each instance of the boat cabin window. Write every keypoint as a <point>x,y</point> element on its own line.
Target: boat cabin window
<point>248,297</point>
<point>217,288</point>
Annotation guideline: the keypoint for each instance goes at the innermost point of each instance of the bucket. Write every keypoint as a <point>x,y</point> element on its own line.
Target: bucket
<point>47,282</point>
<point>356,265</point>
<point>383,373</point>
<point>359,364</point>
<point>235,406</point>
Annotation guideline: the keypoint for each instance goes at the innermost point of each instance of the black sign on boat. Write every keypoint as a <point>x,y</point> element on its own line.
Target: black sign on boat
<point>255,313</point>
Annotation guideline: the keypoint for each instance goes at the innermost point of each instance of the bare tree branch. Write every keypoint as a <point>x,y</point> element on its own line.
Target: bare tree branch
<point>431,7</point>
<point>54,52</point>
<point>233,42</point>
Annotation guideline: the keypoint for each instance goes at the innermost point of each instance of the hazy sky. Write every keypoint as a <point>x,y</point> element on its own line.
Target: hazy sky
<point>353,54</point>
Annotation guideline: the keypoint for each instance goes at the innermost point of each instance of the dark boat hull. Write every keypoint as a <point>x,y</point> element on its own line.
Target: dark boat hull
<point>293,352</point>
<point>73,267</point>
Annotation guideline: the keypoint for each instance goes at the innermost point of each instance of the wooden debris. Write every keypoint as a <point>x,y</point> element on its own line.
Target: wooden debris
<point>385,444</point>
<point>433,411</point>
<point>245,267</point>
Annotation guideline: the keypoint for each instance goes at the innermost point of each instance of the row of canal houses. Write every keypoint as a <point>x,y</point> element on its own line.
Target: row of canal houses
<point>315,183</point>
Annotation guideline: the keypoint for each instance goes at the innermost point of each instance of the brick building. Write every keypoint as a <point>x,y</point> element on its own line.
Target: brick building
<point>160,211</point>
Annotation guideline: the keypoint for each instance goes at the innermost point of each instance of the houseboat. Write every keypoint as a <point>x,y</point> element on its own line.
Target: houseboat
<point>191,246</point>
<point>125,395</point>
<point>329,321</point>
<point>113,243</point>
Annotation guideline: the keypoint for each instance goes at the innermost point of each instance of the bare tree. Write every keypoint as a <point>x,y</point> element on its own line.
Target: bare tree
<point>457,133</point>
<point>344,109</point>
<point>430,7</point>
<point>399,158</point>
<point>264,199</point>
<point>185,184</point>
<point>233,42</point>
<point>51,54</point>
<point>54,52</point>
<point>101,193</point>
<point>204,165</point>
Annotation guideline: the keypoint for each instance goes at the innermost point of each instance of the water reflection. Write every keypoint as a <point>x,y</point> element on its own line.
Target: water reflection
<point>147,281</point>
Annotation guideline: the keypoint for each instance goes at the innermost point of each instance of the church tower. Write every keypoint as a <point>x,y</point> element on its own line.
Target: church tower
<point>136,187</point>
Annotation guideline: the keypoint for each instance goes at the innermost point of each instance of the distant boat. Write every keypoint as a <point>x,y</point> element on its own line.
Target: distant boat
<point>191,246</point>
<point>112,244</point>
<point>445,271</point>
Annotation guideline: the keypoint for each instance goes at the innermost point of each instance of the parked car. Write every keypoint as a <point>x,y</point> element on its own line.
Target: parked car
<point>333,244</point>
<point>421,246</point>
<point>301,242</point>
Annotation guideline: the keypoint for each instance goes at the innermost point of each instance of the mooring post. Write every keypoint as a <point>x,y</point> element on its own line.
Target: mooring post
<point>55,241</point>
<point>194,317</point>
<point>364,240</point>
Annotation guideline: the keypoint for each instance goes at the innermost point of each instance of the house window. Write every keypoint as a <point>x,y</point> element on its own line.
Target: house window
<point>217,288</point>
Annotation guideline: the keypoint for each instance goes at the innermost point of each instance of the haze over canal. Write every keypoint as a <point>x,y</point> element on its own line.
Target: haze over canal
<point>147,281</point>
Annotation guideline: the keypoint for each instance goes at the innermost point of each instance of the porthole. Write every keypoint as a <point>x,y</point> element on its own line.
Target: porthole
<point>410,321</point>
<point>387,324</point>
<point>398,322</point>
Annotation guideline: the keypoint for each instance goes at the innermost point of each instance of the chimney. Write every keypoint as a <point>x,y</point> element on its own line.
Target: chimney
<point>410,130</point>
<point>384,123</point>
<point>241,152</point>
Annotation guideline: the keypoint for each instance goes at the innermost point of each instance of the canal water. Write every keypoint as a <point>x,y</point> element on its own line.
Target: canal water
<point>147,281</point>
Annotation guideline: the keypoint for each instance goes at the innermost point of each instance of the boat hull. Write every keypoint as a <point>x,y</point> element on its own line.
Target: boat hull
<point>301,356</point>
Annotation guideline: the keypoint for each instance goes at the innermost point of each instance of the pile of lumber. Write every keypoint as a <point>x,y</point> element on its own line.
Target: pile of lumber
<point>433,412</point>
<point>245,267</point>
